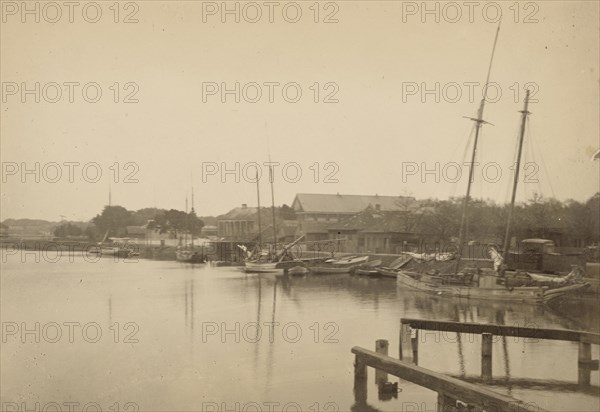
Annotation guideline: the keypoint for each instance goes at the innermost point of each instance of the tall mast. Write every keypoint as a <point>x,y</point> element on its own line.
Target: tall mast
<point>524,114</point>
<point>192,183</point>
<point>272,203</point>
<point>258,208</point>
<point>192,209</point>
<point>478,123</point>
<point>187,226</point>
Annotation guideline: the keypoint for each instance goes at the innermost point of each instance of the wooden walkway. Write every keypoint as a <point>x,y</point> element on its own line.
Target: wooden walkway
<point>450,390</point>
<point>465,393</point>
<point>409,342</point>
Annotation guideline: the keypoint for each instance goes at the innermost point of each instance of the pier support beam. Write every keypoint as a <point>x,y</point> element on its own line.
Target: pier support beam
<point>486,357</point>
<point>405,353</point>
<point>414,343</point>
<point>446,403</point>
<point>360,381</point>
<point>584,363</point>
<point>381,346</point>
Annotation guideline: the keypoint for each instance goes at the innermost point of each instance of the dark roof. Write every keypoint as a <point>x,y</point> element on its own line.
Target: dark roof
<point>239,213</point>
<point>329,203</point>
<point>315,227</point>
<point>372,220</point>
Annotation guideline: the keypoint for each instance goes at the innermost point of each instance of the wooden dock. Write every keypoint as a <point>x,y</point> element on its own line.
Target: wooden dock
<point>464,393</point>
<point>451,391</point>
<point>409,341</point>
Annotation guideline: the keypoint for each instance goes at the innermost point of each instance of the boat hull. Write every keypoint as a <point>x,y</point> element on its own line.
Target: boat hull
<point>529,294</point>
<point>189,257</point>
<point>262,267</point>
<point>324,270</point>
<point>339,266</point>
<point>387,273</point>
<point>112,252</point>
<point>374,273</point>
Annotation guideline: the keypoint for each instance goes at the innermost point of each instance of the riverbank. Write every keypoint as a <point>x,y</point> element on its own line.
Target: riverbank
<point>51,248</point>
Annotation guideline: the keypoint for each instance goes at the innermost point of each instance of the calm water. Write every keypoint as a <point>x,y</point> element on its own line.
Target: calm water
<point>177,337</point>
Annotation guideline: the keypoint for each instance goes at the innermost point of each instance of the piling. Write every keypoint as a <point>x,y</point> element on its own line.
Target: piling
<point>486,357</point>
<point>381,346</point>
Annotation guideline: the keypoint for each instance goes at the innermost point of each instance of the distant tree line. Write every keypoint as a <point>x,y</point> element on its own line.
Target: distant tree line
<point>68,230</point>
<point>115,219</point>
<point>570,223</point>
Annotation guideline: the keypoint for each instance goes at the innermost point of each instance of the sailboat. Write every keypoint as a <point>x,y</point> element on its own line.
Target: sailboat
<point>487,284</point>
<point>117,247</point>
<point>270,261</point>
<point>185,253</point>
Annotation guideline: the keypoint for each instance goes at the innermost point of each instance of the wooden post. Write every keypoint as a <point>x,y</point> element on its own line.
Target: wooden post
<point>446,403</point>
<point>360,368</point>
<point>381,346</point>
<point>360,381</point>
<point>486,357</point>
<point>403,348</point>
<point>584,362</point>
<point>414,343</point>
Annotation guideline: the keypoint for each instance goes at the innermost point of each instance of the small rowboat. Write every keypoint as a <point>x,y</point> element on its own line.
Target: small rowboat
<point>342,265</point>
<point>262,267</point>
<point>368,269</point>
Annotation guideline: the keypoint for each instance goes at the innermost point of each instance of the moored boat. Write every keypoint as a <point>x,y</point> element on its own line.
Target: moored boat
<point>188,255</point>
<point>114,247</point>
<point>337,266</point>
<point>485,286</point>
<point>369,268</point>
<point>115,251</point>
<point>277,262</point>
<point>391,271</point>
<point>262,267</point>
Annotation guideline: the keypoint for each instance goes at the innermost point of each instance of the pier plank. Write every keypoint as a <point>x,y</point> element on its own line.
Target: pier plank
<point>503,330</point>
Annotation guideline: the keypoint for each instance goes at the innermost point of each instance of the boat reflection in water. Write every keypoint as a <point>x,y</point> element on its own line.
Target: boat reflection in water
<point>217,334</point>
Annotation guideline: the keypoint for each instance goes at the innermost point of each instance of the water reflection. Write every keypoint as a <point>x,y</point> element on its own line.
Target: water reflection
<point>177,366</point>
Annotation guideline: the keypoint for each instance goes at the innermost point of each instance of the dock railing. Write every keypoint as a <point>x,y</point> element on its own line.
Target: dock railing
<point>409,341</point>
<point>453,394</point>
<point>462,393</point>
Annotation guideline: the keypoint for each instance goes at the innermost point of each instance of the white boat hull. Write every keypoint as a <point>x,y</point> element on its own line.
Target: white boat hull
<point>262,267</point>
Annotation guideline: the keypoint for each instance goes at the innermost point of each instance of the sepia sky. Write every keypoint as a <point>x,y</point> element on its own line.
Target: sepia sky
<point>375,139</point>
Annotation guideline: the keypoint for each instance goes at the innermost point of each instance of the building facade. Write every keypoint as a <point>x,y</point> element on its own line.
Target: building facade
<point>319,215</point>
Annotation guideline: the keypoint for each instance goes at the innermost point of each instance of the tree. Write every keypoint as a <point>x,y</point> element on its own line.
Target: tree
<point>439,219</point>
<point>113,219</point>
<point>583,220</point>
<point>66,230</point>
<point>91,232</point>
<point>593,208</point>
<point>142,216</point>
<point>287,213</point>
<point>411,210</point>
<point>194,224</point>
<point>176,222</point>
